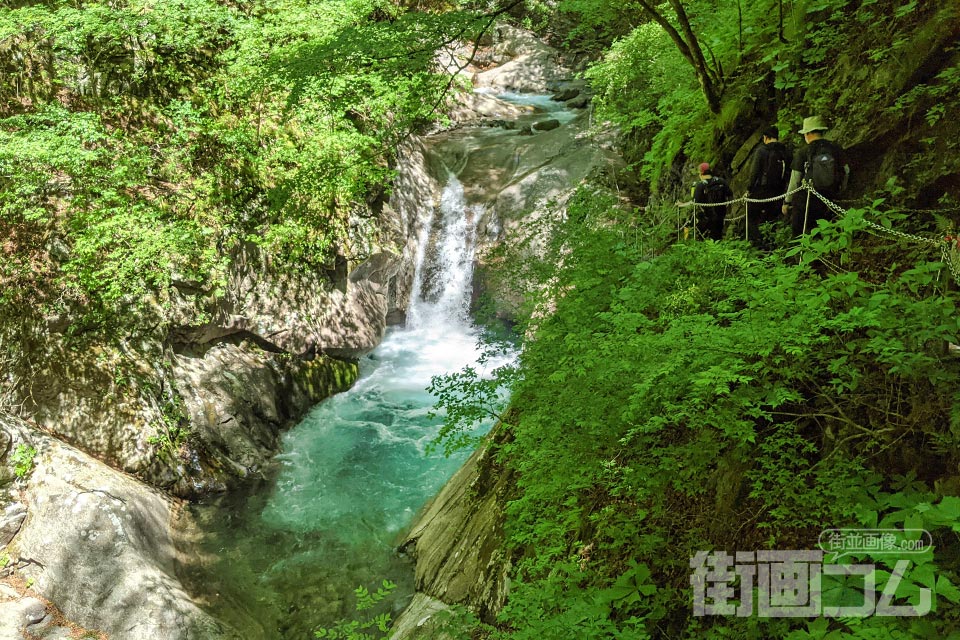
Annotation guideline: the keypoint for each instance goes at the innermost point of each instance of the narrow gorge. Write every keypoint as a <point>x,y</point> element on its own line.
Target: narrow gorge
<point>380,320</point>
<point>311,513</point>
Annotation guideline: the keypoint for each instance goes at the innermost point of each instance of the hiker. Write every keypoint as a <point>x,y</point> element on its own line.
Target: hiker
<point>769,175</point>
<point>819,163</point>
<point>709,190</point>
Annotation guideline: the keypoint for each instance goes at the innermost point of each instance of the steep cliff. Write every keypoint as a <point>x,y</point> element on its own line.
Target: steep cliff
<point>195,395</point>
<point>457,543</point>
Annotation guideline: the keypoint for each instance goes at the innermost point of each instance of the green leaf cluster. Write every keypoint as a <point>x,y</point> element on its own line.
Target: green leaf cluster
<point>23,459</point>
<point>705,397</point>
<point>141,144</point>
<point>377,625</point>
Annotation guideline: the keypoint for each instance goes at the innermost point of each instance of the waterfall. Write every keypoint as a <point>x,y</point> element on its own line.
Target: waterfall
<point>355,471</point>
<point>282,560</point>
<point>384,416</point>
<point>442,281</point>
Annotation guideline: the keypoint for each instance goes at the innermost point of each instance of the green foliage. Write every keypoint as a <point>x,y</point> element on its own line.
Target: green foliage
<point>595,25</point>
<point>103,51</point>
<point>467,401</point>
<point>702,397</point>
<point>932,99</point>
<point>559,601</point>
<point>23,460</point>
<point>676,398</point>
<point>150,143</point>
<point>68,173</point>
<point>377,625</point>
<point>170,435</point>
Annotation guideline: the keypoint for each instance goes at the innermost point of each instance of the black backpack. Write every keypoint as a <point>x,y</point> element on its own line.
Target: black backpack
<point>776,169</point>
<point>715,190</point>
<point>822,169</point>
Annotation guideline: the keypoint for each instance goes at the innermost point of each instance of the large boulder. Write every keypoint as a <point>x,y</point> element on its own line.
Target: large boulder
<point>548,124</point>
<point>98,544</point>
<point>457,541</point>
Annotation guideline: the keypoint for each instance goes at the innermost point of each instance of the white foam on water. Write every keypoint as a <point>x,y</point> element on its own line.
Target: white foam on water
<point>361,454</point>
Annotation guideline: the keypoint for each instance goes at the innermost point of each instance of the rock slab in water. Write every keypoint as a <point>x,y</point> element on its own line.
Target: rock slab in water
<point>417,620</point>
<point>457,540</point>
<point>546,125</point>
<point>565,94</point>
<point>580,102</point>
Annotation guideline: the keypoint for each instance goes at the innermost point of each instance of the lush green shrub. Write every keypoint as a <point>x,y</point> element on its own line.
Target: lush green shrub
<point>709,398</point>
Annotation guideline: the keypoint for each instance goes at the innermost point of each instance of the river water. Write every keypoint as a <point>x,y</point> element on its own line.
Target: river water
<point>283,559</point>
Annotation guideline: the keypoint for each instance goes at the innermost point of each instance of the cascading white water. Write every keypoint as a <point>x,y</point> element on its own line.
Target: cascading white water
<point>355,471</point>
<point>442,284</point>
<point>384,414</point>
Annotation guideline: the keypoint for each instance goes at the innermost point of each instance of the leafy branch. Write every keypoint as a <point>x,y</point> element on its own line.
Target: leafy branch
<point>357,629</point>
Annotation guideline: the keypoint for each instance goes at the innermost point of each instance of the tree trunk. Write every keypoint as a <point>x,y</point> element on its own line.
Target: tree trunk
<point>710,80</point>
<point>780,24</point>
<point>740,29</point>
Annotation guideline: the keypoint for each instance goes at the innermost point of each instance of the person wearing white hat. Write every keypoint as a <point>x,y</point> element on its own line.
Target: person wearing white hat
<point>819,165</point>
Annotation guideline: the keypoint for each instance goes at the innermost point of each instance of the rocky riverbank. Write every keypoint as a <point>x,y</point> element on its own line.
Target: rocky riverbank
<point>193,397</point>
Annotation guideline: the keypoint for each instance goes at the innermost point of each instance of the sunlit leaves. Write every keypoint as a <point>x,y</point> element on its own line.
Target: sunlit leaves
<point>159,134</point>
<point>667,396</point>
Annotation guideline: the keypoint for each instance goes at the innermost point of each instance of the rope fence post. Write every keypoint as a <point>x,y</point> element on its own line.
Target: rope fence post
<point>746,219</point>
<point>744,216</point>
<point>944,244</point>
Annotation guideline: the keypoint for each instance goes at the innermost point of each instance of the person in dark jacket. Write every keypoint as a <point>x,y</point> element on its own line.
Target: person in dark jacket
<point>769,174</point>
<point>710,189</point>
<point>809,164</point>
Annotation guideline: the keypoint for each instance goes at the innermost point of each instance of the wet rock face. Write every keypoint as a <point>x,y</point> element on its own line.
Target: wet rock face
<point>457,542</point>
<point>513,173</point>
<point>97,543</point>
<point>297,313</point>
<point>131,400</point>
<point>238,401</point>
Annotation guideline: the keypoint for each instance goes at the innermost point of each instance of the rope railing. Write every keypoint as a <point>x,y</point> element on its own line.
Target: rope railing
<point>866,201</point>
<point>744,199</point>
<point>946,244</point>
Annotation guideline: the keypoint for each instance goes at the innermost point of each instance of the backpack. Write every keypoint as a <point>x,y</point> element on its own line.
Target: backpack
<point>776,169</point>
<point>715,190</point>
<point>823,169</point>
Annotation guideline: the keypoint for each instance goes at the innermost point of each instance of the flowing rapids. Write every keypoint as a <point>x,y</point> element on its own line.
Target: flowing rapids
<point>283,559</point>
